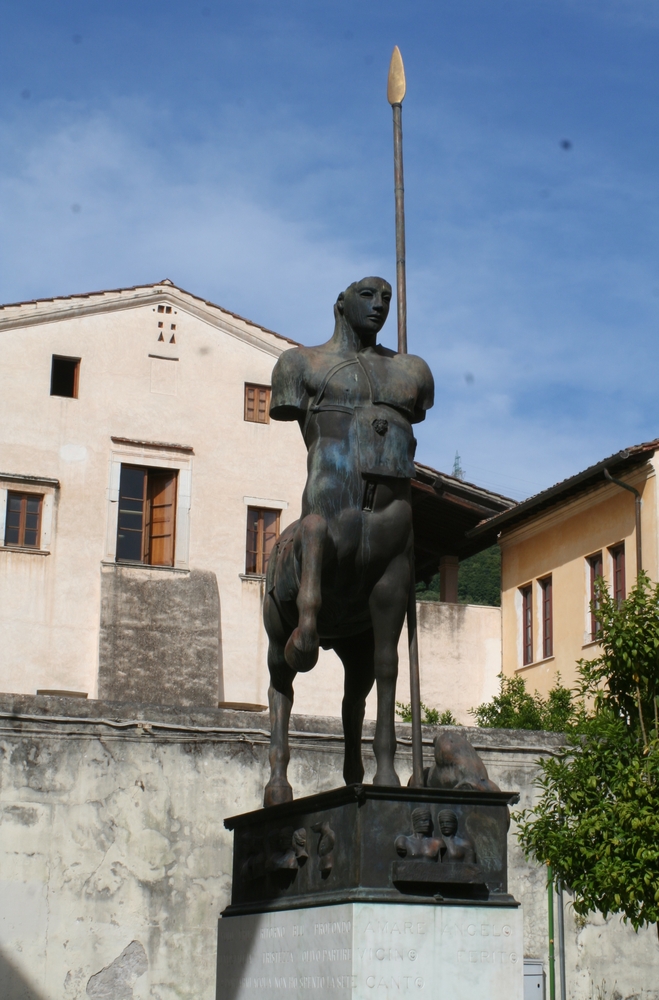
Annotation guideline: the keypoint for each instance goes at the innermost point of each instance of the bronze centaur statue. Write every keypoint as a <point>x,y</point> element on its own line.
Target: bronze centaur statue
<point>340,576</point>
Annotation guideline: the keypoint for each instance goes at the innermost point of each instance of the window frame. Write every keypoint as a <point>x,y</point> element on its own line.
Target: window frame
<point>76,375</point>
<point>527,624</point>
<point>595,563</point>
<point>21,543</point>
<point>547,615</point>
<point>261,558</point>
<point>151,475</point>
<point>257,387</point>
<point>156,455</point>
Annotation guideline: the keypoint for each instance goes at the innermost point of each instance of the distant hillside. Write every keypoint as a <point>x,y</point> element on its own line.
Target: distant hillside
<point>479,580</point>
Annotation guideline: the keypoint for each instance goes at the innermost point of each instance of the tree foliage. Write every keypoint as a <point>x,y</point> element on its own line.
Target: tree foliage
<point>429,716</point>
<point>597,819</point>
<point>479,580</point>
<point>515,708</point>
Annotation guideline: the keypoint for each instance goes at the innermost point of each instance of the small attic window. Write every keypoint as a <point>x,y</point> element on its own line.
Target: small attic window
<point>64,376</point>
<point>161,309</point>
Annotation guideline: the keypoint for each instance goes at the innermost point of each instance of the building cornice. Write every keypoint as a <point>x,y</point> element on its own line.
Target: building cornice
<point>600,493</point>
<point>53,310</point>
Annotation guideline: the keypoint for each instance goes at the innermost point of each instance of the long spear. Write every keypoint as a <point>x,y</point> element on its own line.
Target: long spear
<point>395,95</point>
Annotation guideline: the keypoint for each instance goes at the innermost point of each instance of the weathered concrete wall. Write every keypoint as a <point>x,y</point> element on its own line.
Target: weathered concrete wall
<point>160,636</point>
<point>115,864</point>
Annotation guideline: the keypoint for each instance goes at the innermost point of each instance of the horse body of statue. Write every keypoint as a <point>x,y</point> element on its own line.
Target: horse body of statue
<point>340,576</point>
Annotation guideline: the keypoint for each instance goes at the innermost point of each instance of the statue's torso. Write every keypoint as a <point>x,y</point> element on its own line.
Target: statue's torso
<point>355,411</point>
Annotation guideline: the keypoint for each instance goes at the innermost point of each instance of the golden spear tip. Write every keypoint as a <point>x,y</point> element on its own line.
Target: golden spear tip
<point>396,80</point>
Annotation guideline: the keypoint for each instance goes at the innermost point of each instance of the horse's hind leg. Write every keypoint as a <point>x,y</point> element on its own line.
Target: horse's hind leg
<point>356,653</point>
<point>302,646</point>
<point>280,697</point>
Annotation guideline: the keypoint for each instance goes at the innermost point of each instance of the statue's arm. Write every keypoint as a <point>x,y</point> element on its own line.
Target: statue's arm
<point>289,399</point>
<point>426,388</point>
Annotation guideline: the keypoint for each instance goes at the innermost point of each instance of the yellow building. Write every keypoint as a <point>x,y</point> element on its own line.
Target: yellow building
<point>554,546</point>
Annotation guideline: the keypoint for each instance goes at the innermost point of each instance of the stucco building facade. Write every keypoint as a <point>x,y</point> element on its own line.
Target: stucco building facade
<point>553,548</point>
<point>141,487</point>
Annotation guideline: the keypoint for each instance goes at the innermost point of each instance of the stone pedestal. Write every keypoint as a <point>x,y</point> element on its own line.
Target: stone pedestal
<point>373,951</point>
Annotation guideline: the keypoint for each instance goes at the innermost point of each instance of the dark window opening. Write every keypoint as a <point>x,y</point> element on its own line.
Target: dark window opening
<point>161,309</point>
<point>168,309</point>
<point>618,560</point>
<point>64,374</point>
<point>23,521</point>
<point>262,533</point>
<point>595,567</point>
<point>547,618</point>
<point>147,513</point>
<point>527,624</point>
<point>257,403</point>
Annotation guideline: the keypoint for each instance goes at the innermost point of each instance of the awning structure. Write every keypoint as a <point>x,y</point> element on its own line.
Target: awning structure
<point>444,510</point>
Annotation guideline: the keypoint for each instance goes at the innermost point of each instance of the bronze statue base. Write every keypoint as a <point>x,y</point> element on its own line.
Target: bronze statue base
<point>373,844</point>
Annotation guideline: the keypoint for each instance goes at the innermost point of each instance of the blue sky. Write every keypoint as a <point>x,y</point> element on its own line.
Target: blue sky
<point>244,151</point>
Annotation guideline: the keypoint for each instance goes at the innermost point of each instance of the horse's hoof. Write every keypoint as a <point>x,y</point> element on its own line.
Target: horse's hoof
<point>277,792</point>
<point>388,778</point>
<point>301,653</point>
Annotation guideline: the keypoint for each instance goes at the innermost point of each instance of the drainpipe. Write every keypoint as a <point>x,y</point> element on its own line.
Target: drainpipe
<point>637,507</point>
<point>550,922</point>
<point>561,940</point>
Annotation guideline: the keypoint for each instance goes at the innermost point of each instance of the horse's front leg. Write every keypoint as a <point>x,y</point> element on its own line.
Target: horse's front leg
<point>388,604</point>
<point>280,697</point>
<point>310,539</point>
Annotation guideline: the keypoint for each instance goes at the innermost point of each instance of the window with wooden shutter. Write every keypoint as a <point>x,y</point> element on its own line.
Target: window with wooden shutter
<point>23,520</point>
<point>618,567</point>
<point>595,573</point>
<point>257,403</point>
<point>527,624</point>
<point>547,617</point>
<point>147,516</point>
<point>262,533</point>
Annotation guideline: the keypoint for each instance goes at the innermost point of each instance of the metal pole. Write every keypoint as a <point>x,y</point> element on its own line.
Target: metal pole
<point>561,939</point>
<point>395,95</point>
<point>637,514</point>
<point>399,192</point>
<point>550,916</point>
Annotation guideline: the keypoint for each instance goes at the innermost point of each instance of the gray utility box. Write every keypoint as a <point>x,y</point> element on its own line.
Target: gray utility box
<point>534,979</point>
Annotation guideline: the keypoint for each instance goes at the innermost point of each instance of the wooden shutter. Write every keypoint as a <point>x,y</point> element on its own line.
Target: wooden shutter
<point>270,535</point>
<point>547,618</point>
<point>618,557</point>
<point>262,533</point>
<point>527,624</point>
<point>160,524</point>
<point>257,403</point>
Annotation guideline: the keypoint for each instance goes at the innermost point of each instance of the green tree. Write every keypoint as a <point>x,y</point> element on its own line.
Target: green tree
<point>597,819</point>
<point>515,708</point>
<point>479,580</point>
<point>429,716</point>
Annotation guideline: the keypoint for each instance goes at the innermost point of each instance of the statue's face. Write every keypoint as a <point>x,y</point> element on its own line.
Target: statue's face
<point>422,825</point>
<point>448,824</point>
<point>365,305</point>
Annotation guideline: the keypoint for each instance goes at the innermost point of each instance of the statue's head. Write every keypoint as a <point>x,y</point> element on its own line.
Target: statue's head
<point>422,821</point>
<point>447,822</point>
<point>365,306</point>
